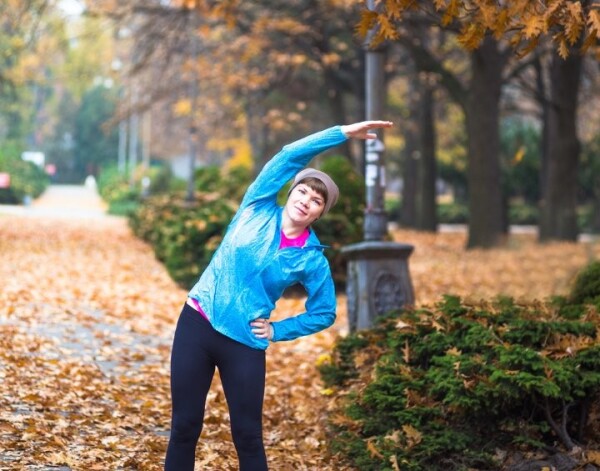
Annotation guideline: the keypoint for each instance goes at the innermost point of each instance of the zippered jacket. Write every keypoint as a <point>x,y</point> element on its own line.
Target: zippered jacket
<point>248,273</point>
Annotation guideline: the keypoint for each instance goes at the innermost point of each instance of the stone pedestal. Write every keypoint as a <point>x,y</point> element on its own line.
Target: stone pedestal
<point>378,280</point>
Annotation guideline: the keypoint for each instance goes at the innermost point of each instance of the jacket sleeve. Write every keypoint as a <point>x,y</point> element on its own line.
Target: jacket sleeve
<point>289,161</point>
<point>320,307</point>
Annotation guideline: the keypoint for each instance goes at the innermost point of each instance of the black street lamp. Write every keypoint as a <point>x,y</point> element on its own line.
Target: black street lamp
<point>378,276</point>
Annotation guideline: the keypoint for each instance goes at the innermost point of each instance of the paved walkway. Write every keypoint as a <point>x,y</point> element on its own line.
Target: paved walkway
<point>80,339</point>
<point>63,201</point>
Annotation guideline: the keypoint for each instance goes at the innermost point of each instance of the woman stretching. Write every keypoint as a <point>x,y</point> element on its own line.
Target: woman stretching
<point>225,322</point>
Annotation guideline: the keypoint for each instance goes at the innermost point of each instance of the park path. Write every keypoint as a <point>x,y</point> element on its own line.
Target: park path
<point>74,202</point>
<point>86,321</point>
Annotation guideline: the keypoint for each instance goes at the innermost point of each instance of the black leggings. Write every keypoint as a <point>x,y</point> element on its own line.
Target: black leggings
<point>197,350</point>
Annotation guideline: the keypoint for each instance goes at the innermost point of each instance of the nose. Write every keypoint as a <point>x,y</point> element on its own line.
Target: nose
<point>304,200</point>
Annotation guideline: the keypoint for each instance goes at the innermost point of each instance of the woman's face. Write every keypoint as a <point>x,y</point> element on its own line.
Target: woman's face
<point>304,205</point>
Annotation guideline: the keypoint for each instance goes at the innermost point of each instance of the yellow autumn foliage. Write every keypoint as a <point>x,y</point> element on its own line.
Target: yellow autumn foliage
<point>182,107</point>
<point>565,21</point>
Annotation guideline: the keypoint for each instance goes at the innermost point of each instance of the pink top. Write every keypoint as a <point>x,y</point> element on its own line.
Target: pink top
<point>295,242</point>
<point>194,303</point>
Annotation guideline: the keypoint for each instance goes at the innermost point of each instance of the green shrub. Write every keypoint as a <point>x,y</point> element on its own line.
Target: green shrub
<point>125,207</point>
<point>161,179</point>
<point>124,195</point>
<point>393,208</point>
<point>26,178</point>
<point>523,214</point>
<point>207,179</point>
<point>444,388</point>
<point>586,288</point>
<point>344,369</point>
<point>184,235</point>
<point>588,219</point>
<point>452,213</point>
<point>235,181</point>
<point>231,183</point>
<point>115,189</point>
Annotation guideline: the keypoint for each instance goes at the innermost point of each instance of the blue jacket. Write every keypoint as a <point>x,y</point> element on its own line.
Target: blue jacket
<point>248,273</point>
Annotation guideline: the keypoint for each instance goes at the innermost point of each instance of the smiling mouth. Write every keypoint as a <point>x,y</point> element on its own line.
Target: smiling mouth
<point>301,211</point>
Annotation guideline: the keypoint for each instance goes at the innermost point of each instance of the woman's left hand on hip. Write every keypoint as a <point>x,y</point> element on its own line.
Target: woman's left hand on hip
<point>262,329</point>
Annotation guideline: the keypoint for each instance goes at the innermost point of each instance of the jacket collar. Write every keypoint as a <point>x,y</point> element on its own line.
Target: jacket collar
<point>312,241</point>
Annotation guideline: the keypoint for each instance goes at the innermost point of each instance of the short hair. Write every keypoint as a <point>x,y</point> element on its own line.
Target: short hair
<point>316,185</point>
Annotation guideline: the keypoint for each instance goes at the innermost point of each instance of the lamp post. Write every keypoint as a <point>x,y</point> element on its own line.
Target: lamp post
<point>375,225</point>
<point>378,277</point>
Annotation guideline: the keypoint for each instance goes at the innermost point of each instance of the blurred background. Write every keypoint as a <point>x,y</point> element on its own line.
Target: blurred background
<point>496,111</point>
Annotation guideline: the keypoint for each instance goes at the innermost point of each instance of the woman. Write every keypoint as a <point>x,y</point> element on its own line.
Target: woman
<point>225,322</point>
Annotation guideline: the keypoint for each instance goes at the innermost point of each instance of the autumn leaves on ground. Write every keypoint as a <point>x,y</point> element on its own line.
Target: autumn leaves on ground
<point>86,320</point>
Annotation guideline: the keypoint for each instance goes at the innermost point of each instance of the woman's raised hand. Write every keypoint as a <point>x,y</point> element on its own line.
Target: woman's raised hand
<point>361,130</point>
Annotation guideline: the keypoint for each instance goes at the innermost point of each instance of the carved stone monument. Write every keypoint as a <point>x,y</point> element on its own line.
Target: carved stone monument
<point>378,281</point>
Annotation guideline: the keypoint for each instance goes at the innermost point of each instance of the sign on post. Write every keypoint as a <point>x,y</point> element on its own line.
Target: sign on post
<point>374,170</point>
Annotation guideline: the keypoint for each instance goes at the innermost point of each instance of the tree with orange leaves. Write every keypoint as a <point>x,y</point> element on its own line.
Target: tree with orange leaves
<point>523,22</point>
<point>496,33</point>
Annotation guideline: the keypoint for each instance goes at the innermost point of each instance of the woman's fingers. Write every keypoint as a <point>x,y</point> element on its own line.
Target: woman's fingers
<point>377,124</point>
<point>361,130</point>
<point>261,328</point>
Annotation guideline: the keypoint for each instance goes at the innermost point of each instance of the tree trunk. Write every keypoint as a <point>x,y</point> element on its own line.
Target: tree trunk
<point>427,216</point>
<point>410,169</point>
<point>482,116</point>
<point>558,208</point>
<point>257,132</point>
<point>542,97</point>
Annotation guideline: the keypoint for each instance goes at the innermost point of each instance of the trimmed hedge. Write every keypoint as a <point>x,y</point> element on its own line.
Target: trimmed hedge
<point>184,235</point>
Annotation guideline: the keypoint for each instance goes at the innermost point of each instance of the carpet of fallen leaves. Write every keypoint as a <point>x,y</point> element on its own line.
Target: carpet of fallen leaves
<point>86,320</point>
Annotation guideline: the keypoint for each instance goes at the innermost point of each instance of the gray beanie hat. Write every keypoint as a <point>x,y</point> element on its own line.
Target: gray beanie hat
<point>332,189</point>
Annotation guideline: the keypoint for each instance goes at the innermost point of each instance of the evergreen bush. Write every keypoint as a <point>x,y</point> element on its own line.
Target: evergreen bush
<point>446,388</point>
<point>586,288</point>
